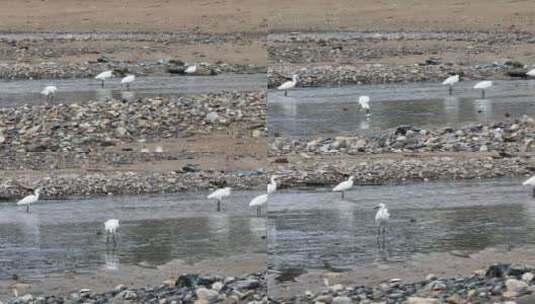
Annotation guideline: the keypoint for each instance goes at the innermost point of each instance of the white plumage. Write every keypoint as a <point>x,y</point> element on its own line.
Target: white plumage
<point>531,73</point>
<point>111,226</point>
<point>530,182</point>
<point>219,194</point>
<point>30,199</point>
<point>451,80</point>
<point>49,92</point>
<point>344,186</point>
<point>272,186</point>
<point>191,69</point>
<point>128,80</point>
<point>364,102</point>
<point>483,85</point>
<point>104,75</point>
<point>381,220</point>
<point>382,216</point>
<point>158,149</point>
<point>258,202</point>
<point>288,85</point>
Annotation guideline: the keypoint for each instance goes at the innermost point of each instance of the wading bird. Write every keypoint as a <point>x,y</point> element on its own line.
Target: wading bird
<point>191,69</point>
<point>258,202</point>
<point>531,73</point>
<point>103,76</point>
<point>530,182</point>
<point>30,199</point>
<point>450,81</point>
<point>288,85</point>
<point>381,220</point>
<point>272,186</point>
<point>110,227</point>
<point>128,80</point>
<point>219,194</point>
<point>344,186</point>
<point>483,85</point>
<point>49,92</point>
<point>364,102</point>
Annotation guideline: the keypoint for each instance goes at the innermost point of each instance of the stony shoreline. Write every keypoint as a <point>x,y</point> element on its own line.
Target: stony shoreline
<point>86,126</point>
<point>499,283</point>
<point>187,288</point>
<point>353,57</point>
<point>407,154</point>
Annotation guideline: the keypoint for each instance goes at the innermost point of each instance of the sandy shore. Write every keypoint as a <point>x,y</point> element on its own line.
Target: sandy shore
<point>442,265</point>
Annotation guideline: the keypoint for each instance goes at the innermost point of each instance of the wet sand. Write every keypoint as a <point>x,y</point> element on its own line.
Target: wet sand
<point>135,276</point>
<point>446,264</point>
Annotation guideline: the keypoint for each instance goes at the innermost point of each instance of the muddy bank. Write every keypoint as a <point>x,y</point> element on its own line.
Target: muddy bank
<point>497,283</point>
<point>244,280</point>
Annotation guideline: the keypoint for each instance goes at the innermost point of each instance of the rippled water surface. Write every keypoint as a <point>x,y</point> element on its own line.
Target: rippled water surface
<point>62,236</point>
<point>312,229</point>
<point>80,90</point>
<point>330,110</point>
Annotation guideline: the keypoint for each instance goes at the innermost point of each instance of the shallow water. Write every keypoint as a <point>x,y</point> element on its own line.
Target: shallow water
<point>79,90</point>
<point>331,110</point>
<point>308,229</point>
<point>61,236</point>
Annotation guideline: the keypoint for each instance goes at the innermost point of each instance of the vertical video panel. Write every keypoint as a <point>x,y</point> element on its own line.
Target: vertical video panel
<point>132,141</point>
<point>401,149</point>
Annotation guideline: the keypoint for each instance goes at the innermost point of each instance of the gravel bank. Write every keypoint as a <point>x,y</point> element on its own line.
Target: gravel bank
<point>187,288</point>
<point>337,58</point>
<point>85,127</point>
<point>500,283</point>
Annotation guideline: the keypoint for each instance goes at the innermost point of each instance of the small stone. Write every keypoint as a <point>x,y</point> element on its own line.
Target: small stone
<point>342,300</point>
<point>527,277</point>
<point>418,300</point>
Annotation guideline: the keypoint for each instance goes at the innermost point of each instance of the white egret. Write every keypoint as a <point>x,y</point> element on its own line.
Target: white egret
<point>49,92</point>
<point>219,194</point>
<point>103,76</point>
<point>272,186</point>
<point>288,85</point>
<point>450,81</point>
<point>530,182</point>
<point>381,220</point>
<point>531,73</point>
<point>258,202</point>
<point>483,85</point>
<point>30,199</point>
<point>128,80</point>
<point>344,186</point>
<point>191,69</point>
<point>364,102</point>
<point>110,227</point>
<point>158,149</point>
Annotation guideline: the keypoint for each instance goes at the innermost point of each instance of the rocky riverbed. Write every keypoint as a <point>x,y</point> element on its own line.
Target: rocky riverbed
<point>36,55</point>
<point>500,283</point>
<point>506,137</point>
<point>407,154</point>
<point>338,58</point>
<point>85,127</point>
<point>187,288</point>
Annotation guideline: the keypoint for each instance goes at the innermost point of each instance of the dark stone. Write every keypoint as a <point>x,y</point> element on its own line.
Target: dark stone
<point>521,73</point>
<point>497,271</point>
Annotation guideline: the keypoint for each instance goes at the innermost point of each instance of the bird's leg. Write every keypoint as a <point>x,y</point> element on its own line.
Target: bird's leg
<point>533,192</point>
<point>483,94</point>
<point>259,211</point>
<point>114,240</point>
<point>27,208</point>
<point>285,92</point>
<point>218,205</point>
<point>342,194</point>
<point>107,237</point>
<point>128,86</point>
<point>102,83</point>
<point>451,90</point>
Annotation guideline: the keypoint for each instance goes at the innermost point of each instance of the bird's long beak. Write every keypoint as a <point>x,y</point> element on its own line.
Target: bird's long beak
<point>376,207</point>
